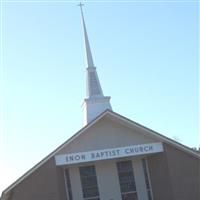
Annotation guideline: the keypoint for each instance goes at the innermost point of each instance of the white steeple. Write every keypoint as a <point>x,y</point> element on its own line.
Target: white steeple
<point>95,102</point>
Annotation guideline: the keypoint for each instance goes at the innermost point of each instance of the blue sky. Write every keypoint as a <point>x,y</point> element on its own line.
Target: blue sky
<point>147,60</point>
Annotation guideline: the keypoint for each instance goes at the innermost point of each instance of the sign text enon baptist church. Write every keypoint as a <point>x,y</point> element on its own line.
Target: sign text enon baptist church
<point>105,154</point>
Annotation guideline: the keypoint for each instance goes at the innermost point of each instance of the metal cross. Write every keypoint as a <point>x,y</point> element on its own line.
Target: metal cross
<point>81,5</point>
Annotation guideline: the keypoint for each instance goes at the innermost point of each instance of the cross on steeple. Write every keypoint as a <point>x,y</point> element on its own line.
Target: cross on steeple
<point>96,102</point>
<point>87,45</point>
<point>81,5</point>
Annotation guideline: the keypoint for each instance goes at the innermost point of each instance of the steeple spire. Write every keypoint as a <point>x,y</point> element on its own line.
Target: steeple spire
<point>93,85</point>
<point>96,102</point>
<point>90,62</point>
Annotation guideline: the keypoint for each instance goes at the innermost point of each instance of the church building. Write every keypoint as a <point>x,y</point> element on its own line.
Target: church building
<point>111,158</point>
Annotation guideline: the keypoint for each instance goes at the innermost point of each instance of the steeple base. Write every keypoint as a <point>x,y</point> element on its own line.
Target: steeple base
<point>93,107</point>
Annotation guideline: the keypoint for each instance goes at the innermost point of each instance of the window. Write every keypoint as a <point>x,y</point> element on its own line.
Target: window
<point>68,185</point>
<point>126,180</point>
<point>89,183</point>
<point>146,176</point>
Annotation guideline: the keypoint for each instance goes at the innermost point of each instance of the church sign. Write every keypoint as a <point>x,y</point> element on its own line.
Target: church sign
<point>106,154</point>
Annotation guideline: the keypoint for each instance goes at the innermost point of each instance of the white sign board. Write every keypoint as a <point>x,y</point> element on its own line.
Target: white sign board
<point>106,154</point>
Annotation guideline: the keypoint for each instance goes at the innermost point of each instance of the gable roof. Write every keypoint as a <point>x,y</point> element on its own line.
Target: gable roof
<point>118,118</point>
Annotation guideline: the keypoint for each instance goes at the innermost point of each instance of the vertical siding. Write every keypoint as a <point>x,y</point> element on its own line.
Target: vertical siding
<point>40,185</point>
<point>61,183</point>
<point>175,175</point>
<point>159,177</point>
<point>184,174</point>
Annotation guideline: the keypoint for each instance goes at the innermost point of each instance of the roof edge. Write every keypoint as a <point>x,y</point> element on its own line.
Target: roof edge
<point>40,163</point>
<point>158,135</point>
<point>112,114</point>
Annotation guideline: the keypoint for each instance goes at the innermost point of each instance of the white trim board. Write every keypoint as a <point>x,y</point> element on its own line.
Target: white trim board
<point>107,154</point>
